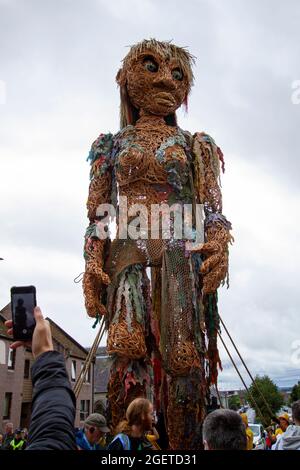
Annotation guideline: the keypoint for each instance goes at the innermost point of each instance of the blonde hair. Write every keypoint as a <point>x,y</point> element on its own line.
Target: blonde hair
<point>135,415</point>
<point>128,113</point>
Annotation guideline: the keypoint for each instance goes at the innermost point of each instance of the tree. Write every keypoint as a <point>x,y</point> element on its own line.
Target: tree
<point>295,393</point>
<point>271,394</point>
<point>234,402</point>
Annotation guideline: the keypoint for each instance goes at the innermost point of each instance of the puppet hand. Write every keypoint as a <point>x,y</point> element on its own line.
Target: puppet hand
<point>215,265</point>
<point>92,285</point>
<point>214,270</point>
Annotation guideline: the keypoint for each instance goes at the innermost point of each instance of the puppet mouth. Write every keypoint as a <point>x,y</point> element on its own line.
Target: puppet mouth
<point>165,98</point>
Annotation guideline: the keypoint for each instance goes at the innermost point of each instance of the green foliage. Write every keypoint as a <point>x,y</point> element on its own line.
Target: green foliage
<point>234,402</point>
<point>295,393</point>
<point>271,394</point>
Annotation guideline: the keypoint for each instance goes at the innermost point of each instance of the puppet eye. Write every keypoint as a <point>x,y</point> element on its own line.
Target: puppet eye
<point>150,64</point>
<point>177,74</point>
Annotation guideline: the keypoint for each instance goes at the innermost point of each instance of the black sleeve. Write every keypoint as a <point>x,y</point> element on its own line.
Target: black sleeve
<point>6,445</point>
<point>116,445</point>
<point>53,405</point>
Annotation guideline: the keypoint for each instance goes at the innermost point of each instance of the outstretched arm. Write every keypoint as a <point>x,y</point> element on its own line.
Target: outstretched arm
<point>53,403</point>
<point>207,160</point>
<point>95,279</point>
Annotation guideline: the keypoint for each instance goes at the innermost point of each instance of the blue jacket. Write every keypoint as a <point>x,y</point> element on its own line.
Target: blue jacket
<point>83,443</point>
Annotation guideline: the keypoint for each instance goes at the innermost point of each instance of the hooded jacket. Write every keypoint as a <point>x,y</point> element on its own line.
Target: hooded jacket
<point>290,440</point>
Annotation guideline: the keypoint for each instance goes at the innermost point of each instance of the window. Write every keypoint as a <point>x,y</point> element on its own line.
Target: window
<point>2,352</point>
<point>84,409</point>
<point>73,371</point>
<point>7,405</point>
<point>26,368</point>
<point>11,359</point>
<point>88,375</point>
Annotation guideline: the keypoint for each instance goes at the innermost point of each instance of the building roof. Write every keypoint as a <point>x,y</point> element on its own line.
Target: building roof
<point>101,374</point>
<point>3,329</point>
<point>101,351</point>
<point>67,341</point>
<point>6,312</point>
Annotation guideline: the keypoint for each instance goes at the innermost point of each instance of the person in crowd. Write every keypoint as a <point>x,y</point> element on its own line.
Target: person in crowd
<point>53,403</point>
<point>249,432</point>
<point>131,432</point>
<point>17,443</point>
<point>1,441</point>
<point>224,430</point>
<point>284,421</point>
<point>8,435</point>
<point>290,439</point>
<point>213,405</point>
<point>270,439</point>
<point>94,430</point>
<point>25,434</point>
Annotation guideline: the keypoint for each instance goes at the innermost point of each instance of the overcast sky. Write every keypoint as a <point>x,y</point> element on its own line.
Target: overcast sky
<point>58,61</point>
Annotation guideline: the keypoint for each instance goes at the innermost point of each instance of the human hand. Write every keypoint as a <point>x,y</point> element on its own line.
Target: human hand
<point>41,339</point>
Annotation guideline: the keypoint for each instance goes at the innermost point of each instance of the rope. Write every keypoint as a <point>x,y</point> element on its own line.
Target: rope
<point>218,395</point>
<point>249,373</point>
<point>78,278</point>
<point>80,379</point>
<point>89,358</point>
<point>238,372</point>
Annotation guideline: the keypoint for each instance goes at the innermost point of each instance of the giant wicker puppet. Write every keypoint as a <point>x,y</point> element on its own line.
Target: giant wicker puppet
<point>158,297</point>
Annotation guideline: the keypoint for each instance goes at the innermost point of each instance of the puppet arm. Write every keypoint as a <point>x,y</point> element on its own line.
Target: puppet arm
<point>95,247</point>
<point>207,158</point>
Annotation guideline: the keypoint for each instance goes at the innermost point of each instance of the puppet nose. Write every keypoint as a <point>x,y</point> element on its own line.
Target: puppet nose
<point>165,81</point>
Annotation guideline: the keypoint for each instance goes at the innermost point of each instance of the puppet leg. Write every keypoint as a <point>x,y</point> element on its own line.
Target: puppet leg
<point>127,336</point>
<point>182,348</point>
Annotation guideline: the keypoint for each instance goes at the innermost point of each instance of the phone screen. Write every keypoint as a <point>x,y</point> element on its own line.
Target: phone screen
<point>23,301</point>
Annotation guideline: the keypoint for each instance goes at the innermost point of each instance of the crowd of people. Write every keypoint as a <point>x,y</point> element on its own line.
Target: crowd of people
<point>13,439</point>
<point>54,402</point>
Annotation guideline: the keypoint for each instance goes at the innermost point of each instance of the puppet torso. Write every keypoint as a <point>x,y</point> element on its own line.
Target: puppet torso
<point>151,166</point>
<point>151,162</point>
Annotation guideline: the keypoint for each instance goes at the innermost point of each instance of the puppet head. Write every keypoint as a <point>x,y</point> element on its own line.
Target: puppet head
<point>156,78</point>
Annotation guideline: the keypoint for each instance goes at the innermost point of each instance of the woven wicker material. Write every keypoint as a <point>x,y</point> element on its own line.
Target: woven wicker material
<point>162,334</point>
<point>129,379</point>
<point>92,293</point>
<point>186,409</point>
<point>124,343</point>
<point>136,87</point>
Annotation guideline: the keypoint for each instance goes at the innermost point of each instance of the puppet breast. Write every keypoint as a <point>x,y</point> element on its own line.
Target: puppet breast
<point>148,160</point>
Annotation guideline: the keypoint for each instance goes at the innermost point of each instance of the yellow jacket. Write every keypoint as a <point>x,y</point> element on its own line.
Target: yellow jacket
<point>249,434</point>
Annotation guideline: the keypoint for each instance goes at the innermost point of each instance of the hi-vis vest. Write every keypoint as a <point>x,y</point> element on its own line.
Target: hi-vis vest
<point>17,446</point>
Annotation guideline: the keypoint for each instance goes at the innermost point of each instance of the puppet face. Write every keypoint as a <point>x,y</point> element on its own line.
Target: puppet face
<point>156,84</point>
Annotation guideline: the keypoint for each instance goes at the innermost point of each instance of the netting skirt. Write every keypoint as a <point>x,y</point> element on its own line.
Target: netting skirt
<point>154,334</point>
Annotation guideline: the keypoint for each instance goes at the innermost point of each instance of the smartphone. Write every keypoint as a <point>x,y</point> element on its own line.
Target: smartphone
<point>23,301</point>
